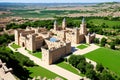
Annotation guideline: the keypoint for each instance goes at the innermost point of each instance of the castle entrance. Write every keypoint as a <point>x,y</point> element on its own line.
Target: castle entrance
<point>23,44</point>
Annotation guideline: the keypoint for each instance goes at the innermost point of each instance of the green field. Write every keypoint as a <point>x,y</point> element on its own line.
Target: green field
<point>82,46</point>
<point>108,22</point>
<point>40,71</point>
<point>109,58</point>
<point>39,13</point>
<point>69,68</point>
<point>15,46</point>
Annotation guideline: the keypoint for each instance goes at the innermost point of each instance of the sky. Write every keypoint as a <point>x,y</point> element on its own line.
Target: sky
<point>59,1</point>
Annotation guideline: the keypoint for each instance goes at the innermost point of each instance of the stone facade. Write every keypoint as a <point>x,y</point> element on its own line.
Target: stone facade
<point>76,35</point>
<point>55,43</point>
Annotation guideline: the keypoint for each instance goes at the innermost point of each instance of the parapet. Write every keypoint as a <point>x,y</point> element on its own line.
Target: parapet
<point>3,66</point>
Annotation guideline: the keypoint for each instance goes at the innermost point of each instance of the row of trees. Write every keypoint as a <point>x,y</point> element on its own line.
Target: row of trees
<point>5,39</point>
<point>100,73</point>
<point>44,23</point>
<point>71,22</point>
<point>103,42</point>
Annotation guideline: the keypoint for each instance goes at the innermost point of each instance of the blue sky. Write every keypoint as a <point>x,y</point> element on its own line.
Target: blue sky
<point>58,1</point>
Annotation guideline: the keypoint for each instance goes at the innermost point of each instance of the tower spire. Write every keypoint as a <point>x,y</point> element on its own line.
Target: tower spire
<point>55,25</point>
<point>83,20</point>
<point>64,24</point>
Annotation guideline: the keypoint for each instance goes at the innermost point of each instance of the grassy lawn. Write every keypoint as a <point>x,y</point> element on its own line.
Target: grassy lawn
<point>40,71</point>
<point>69,68</point>
<point>37,54</point>
<point>82,46</point>
<point>109,58</point>
<point>15,46</point>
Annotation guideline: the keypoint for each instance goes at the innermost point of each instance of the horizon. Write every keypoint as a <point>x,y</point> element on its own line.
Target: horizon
<point>60,1</point>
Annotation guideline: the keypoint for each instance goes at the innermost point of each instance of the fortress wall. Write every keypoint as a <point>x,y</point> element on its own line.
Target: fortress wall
<point>46,57</point>
<point>28,32</point>
<point>51,56</point>
<point>68,37</point>
<point>82,38</point>
<point>28,44</point>
<point>39,44</point>
<point>22,41</point>
<point>57,53</point>
<point>17,36</point>
<point>68,48</point>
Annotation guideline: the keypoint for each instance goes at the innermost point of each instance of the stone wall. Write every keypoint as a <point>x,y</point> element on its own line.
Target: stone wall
<point>51,56</point>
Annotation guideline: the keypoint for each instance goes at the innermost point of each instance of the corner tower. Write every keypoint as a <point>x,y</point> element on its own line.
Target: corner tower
<point>83,29</point>
<point>64,24</point>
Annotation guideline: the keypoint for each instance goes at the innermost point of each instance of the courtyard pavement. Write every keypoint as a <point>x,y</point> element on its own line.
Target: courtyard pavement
<point>90,48</point>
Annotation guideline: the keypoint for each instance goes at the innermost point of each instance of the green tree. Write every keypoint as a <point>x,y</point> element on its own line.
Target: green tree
<point>91,74</point>
<point>106,75</point>
<point>103,42</point>
<point>99,67</point>
<point>117,41</point>
<point>112,45</point>
<point>81,67</point>
<point>89,66</point>
<point>76,59</point>
<point>72,60</point>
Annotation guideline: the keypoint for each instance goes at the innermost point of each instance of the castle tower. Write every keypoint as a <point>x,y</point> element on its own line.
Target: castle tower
<point>55,25</point>
<point>16,37</point>
<point>32,42</point>
<point>83,29</point>
<point>64,24</point>
<point>88,41</point>
<point>76,35</point>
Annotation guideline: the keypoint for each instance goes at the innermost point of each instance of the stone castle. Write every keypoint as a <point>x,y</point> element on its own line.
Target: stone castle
<point>55,43</point>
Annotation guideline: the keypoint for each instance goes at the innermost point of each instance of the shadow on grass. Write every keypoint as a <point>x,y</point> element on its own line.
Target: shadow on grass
<point>59,61</point>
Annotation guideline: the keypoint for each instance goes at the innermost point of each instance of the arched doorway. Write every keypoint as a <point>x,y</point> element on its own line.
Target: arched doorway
<point>23,44</point>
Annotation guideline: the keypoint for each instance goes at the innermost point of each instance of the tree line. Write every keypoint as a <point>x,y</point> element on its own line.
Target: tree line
<point>98,73</point>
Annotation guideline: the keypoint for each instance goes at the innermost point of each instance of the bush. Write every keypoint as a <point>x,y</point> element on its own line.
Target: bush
<point>112,45</point>
<point>96,40</point>
<point>103,42</point>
